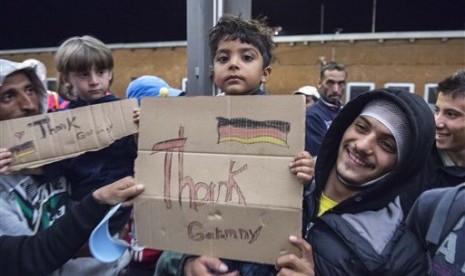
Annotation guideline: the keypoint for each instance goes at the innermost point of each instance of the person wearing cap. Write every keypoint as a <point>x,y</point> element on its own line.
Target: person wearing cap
<point>151,86</point>
<point>352,218</point>
<point>311,95</point>
<point>29,204</point>
<point>332,86</point>
<point>55,102</point>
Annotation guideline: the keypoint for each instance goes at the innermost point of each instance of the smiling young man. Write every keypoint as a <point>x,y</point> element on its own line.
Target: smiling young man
<point>450,119</point>
<point>438,216</point>
<point>445,166</point>
<point>352,215</point>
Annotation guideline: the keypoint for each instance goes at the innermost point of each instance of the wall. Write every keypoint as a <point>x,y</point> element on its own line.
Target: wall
<point>419,61</point>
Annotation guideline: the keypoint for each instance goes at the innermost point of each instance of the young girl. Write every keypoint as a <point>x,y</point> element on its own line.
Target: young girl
<point>85,67</point>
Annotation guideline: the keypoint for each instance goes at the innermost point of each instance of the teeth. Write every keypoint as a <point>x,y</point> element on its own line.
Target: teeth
<point>357,160</point>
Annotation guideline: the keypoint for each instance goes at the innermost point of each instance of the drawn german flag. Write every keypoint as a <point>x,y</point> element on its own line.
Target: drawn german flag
<point>247,131</point>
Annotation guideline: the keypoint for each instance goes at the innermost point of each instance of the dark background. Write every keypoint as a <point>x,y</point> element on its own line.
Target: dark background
<point>47,23</point>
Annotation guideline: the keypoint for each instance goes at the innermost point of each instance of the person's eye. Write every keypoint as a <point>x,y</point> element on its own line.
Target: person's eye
<point>330,82</point>
<point>222,59</point>
<point>247,58</point>
<point>451,114</point>
<point>361,127</point>
<point>30,90</point>
<point>7,97</point>
<point>388,145</point>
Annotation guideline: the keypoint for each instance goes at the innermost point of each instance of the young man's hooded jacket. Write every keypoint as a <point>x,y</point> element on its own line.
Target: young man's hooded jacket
<point>365,234</point>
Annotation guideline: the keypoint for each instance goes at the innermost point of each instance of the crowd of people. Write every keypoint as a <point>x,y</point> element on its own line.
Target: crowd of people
<point>382,176</point>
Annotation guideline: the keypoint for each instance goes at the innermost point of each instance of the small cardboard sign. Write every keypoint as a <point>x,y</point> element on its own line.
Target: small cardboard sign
<point>42,139</point>
<point>216,172</point>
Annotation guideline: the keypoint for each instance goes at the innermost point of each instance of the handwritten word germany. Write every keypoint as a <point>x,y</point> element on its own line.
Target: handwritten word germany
<point>195,233</point>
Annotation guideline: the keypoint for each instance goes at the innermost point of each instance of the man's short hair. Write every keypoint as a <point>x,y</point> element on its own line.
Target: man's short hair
<point>453,85</point>
<point>332,65</point>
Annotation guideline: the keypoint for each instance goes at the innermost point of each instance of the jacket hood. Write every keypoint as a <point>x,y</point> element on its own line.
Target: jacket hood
<point>381,192</point>
<point>9,67</point>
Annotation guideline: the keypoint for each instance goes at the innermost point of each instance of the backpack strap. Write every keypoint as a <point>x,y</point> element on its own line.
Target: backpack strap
<point>440,216</point>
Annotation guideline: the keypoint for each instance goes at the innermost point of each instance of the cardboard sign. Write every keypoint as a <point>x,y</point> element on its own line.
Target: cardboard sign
<point>42,139</point>
<point>216,172</point>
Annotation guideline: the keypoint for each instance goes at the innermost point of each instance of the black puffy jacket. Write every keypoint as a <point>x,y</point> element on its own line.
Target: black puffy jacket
<point>365,234</point>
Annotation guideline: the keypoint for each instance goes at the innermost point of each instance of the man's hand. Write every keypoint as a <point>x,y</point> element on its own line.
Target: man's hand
<point>303,167</point>
<point>206,266</point>
<point>123,190</point>
<point>290,264</point>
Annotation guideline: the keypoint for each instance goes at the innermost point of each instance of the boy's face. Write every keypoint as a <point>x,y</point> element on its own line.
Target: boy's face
<point>450,123</point>
<point>367,151</point>
<point>238,68</point>
<point>89,85</point>
<point>18,97</point>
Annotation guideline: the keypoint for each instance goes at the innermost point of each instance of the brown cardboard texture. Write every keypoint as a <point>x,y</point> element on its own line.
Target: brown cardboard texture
<point>42,139</point>
<point>216,172</point>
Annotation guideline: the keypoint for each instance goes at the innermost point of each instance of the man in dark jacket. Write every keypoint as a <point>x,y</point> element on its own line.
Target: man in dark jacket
<point>445,167</point>
<point>332,86</point>
<point>352,210</point>
<point>438,219</point>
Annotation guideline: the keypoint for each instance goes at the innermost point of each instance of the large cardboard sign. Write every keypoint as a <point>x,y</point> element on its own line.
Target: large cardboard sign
<point>216,171</point>
<point>42,139</point>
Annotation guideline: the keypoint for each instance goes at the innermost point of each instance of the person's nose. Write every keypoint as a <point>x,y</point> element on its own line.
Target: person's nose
<point>337,87</point>
<point>365,143</point>
<point>439,120</point>
<point>25,102</point>
<point>93,78</point>
<point>234,62</point>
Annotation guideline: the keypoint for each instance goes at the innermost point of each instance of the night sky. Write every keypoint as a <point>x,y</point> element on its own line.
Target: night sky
<point>47,23</point>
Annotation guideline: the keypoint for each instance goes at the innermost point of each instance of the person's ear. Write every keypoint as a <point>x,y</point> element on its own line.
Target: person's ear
<point>212,75</point>
<point>63,78</point>
<point>266,74</point>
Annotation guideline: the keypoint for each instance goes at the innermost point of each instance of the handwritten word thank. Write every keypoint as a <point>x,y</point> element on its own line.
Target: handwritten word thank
<point>47,129</point>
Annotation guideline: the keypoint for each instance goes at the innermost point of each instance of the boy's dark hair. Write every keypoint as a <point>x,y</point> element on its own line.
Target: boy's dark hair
<point>332,65</point>
<point>254,32</point>
<point>453,85</point>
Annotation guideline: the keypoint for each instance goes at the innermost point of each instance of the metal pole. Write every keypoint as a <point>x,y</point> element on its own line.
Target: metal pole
<point>373,19</point>
<point>322,17</point>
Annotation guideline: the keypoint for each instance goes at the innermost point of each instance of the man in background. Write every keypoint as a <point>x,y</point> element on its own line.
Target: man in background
<point>333,77</point>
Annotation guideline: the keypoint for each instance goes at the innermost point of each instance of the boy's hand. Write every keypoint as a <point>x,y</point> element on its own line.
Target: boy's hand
<point>290,264</point>
<point>136,116</point>
<point>303,167</point>
<point>206,266</point>
<point>123,190</point>
<point>5,160</point>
